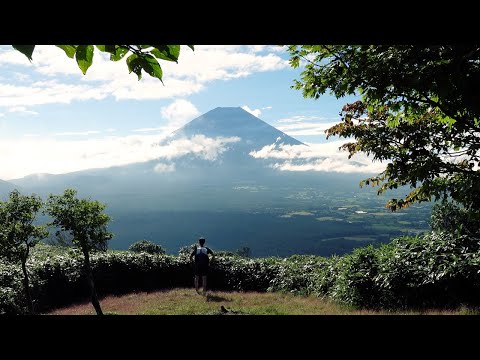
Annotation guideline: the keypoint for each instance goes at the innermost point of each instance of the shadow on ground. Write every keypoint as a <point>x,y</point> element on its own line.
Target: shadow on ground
<point>216,298</point>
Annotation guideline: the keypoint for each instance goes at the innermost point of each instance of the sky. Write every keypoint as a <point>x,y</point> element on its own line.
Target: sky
<point>54,119</point>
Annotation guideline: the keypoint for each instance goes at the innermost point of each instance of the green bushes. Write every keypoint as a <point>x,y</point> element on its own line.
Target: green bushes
<point>437,270</point>
<point>235,273</point>
<point>146,246</point>
<point>452,218</point>
<point>297,274</point>
<point>354,281</point>
<point>12,300</point>
<point>59,279</point>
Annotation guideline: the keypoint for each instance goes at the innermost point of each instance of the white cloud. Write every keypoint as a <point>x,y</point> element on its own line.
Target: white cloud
<point>111,130</point>
<point>305,128</point>
<point>257,48</point>
<point>10,56</point>
<point>48,92</point>
<point>2,114</point>
<point>300,118</point>
<point>77,133</point>
<point>105,78</point>
<point>21,77</point>
<point>267,108</point>
<point>22,110</point>
<point>305,125</point>
<point>317,157</point>
<point>255,112</point>
<point>39,155</point>
<point>199,145</point>
<point>162,168</point>
<point>31,135</point>
<point>179,112</point>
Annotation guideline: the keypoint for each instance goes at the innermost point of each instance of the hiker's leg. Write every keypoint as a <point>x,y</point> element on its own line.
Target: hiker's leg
<point>196,282</point>
<point>204,283</point>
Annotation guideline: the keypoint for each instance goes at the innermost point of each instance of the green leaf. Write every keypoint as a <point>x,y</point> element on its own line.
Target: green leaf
<point>134,64</point>
<point>26,50</point>
<point>118,53</point>
<point>69,49</point>
<point>191,47</point>
<point>151,66</point>
<point>166,52</point>
<point>84,57</point>
<point>106,48</point>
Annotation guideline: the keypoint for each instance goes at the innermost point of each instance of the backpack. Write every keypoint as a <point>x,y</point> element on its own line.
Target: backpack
<point>201,257</point>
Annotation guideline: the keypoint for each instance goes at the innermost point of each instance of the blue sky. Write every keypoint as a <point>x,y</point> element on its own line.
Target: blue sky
<point>54,119</point>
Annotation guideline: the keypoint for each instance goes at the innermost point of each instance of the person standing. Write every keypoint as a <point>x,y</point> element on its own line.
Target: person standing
<point>202,263</point>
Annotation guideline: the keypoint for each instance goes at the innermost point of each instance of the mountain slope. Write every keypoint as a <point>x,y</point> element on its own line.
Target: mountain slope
<point>234,121</point>
<point>5,188</point>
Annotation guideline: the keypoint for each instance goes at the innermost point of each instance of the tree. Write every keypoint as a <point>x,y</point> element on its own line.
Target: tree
<point>85,221</point>
<point>141,56</point>
<point>18,234</point>
<point>419,112</point>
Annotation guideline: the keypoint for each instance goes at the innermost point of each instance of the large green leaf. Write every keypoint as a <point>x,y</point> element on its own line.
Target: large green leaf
<point>69,50</point>
<point>134,64</point>
<point>26,50</point>
<point>166,52</point>
<point>106,48</point>
<point>119,53</point>
<point>84,57</point>
<point>151,66</point>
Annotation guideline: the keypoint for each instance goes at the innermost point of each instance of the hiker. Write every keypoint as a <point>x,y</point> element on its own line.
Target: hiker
<point>201,263</point>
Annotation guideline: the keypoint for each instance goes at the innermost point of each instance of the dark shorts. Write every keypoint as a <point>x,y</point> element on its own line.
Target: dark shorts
<point>201,270</point>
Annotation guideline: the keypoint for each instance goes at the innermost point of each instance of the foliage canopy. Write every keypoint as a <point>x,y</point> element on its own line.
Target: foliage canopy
<point>141,57</point>
<point>419,112</point>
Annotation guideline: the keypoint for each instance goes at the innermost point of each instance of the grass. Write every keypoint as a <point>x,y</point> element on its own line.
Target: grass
<point>188,302</point>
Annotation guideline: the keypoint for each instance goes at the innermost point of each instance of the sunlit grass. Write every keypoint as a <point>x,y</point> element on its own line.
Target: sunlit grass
<point>188,302</point>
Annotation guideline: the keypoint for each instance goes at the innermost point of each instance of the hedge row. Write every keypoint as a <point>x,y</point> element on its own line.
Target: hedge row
<point>437,270</point>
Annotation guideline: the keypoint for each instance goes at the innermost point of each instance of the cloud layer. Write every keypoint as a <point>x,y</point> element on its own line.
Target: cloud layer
<point>35,155</point>
<point>316,157</point>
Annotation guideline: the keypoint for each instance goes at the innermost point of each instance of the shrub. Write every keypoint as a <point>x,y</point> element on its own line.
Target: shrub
<point>454,219</point>
<point>147,246</point>
<point>436,270</point>
<point>295,274</point>
<point>185,251</point>
<point>354,283</point>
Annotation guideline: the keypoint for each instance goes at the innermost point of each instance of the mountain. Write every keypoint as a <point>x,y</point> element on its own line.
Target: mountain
<point>5,188</point>
<point>223,193</point>
<point>237,130</point>
<point>234,121</point>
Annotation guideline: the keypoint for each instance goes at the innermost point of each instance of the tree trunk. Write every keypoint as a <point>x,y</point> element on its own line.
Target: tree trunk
<point>26,285</point>
<point>93,293</point>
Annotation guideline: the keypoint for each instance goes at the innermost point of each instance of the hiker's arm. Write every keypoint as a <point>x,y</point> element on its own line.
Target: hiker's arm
<point>209,251</point>
<point>192,255</point>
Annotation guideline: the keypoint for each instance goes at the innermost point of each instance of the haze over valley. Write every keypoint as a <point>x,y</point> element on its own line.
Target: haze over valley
<point>224,175</point>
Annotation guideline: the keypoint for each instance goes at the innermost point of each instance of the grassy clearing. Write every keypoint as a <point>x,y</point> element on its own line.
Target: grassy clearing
<point>188,302</point>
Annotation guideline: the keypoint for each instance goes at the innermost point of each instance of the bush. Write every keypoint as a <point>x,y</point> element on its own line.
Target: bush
<point>185,251</point>
<point>12,298</point>
<point>354,284</point>
<point>436,270</point>
<point>296,274</point>
<point>146,246</point>
<point>454,219</point>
